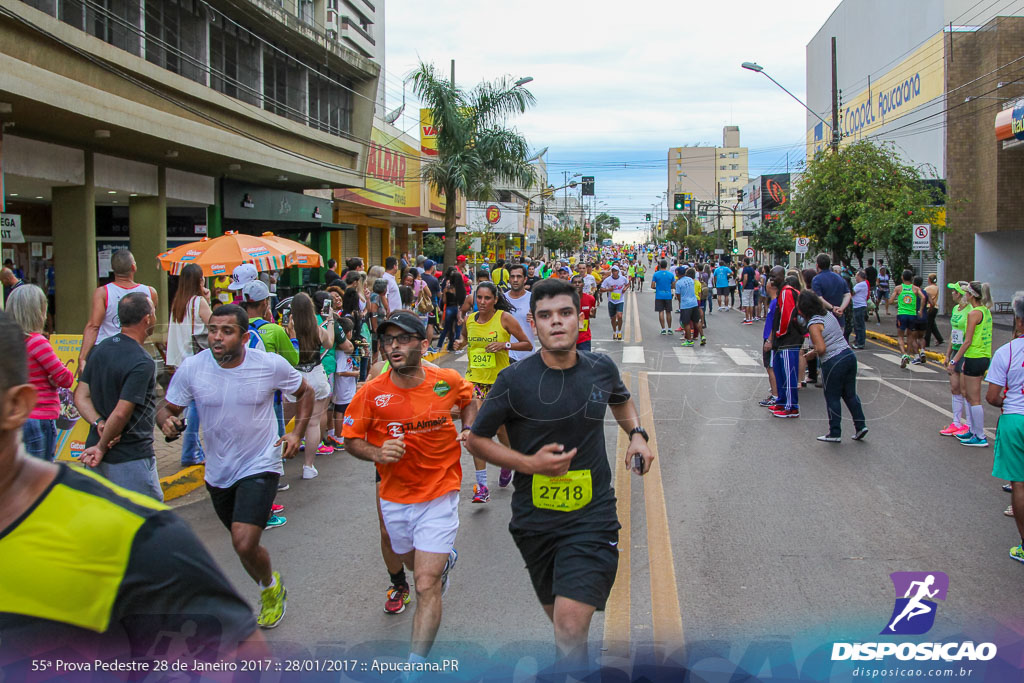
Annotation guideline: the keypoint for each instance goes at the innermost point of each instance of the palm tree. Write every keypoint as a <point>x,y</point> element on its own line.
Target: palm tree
<point>474,148</point>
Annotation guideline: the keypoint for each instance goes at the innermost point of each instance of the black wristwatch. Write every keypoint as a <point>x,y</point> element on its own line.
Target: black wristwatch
<point>641,431</point>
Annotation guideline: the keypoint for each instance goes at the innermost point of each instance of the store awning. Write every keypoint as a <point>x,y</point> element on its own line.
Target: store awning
<point>1010,122</point>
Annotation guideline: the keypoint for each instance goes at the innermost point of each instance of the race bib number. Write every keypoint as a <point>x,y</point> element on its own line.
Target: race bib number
<point>584,324</point>
<point>481,359</point>
<point>571,492</point>
<point>616,296</point>
<point>957,337</point>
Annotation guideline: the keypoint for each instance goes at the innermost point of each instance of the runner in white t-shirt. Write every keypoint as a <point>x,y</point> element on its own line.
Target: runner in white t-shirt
<point>233,388</point>
<point>615,285</point>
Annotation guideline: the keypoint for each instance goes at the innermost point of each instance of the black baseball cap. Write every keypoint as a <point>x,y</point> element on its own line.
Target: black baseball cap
<point>404,320</point>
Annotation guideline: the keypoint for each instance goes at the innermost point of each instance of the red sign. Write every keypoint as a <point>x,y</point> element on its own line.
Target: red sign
<point>493,214</point>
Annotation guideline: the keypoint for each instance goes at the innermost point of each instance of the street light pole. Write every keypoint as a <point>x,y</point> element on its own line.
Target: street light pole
<point>834,126</point>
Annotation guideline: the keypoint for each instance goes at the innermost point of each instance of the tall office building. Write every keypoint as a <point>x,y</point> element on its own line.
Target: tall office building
<point>711,174</point>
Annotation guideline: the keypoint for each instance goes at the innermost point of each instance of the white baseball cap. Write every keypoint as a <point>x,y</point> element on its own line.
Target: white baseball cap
<point>255,290</point>
<point>241,275</point>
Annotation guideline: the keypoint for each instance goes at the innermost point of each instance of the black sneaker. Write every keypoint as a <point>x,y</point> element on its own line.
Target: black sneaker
<point>829,438</point>
<point>861,433</point>
<point>767,402</point>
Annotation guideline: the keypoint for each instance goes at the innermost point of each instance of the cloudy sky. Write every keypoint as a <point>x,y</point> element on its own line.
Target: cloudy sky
<point>617,84</point>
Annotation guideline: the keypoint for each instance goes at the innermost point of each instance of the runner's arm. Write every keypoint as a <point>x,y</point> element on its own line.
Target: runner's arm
<point>513,327</point>
<point>628,418</point>
<point>995,395</point>
<point>390,451</point>
<point>92,328</point>
<point>550,460</point>
<point>167,418</point>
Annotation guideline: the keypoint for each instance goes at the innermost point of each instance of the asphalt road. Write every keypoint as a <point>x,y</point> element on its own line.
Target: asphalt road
<point>748,530</point>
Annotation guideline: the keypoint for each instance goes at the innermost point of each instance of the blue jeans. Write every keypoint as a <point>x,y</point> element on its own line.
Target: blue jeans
<point>839,375</point>
<point>450,329</point>
<point>279,412</point>
<point>40,438</point>
<point>860,319</point>
<point>191,448</point>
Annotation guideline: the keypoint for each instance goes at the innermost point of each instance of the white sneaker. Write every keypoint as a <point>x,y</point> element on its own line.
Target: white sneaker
<point>309,472</point>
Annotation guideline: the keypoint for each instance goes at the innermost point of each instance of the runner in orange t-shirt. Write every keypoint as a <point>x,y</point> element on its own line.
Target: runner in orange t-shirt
<point>402,422</point>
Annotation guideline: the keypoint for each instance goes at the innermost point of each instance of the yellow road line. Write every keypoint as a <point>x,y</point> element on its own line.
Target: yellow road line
<point>617,610</point>
<point>627,325</point>
<point>665,610</point>
<point>636,318</point>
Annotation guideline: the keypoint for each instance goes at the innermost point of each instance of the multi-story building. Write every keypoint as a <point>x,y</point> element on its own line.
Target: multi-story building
<point>931,77</point>
<point>147,122</point>
<point>712,175</point>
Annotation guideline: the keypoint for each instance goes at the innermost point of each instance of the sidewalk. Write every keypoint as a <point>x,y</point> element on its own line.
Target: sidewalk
<point>178,481</point>
<point>885,332</point>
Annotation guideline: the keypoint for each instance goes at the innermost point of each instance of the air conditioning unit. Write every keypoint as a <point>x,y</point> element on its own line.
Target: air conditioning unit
<point>331,23</point>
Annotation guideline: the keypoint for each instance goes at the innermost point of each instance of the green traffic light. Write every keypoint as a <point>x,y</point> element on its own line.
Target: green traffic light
<point>735,251</point>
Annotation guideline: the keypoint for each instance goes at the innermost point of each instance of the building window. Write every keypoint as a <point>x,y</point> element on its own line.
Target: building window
<point>330,105</point>
<point>722,167</point>
<point>176,37</point>
<point>679,167</point>
<point>734,167</point>
<point>234,61</point>
<point>734,155</point>
<point>284,85</point>
<point>48,6</point>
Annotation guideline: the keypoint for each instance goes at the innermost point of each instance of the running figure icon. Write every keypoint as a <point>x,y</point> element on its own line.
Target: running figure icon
<point>915,607</point>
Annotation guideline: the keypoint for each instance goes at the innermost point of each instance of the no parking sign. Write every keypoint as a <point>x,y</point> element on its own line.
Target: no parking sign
<point>922,236</point>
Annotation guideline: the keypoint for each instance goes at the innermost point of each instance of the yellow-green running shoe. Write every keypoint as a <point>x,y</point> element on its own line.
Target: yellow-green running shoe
<point>273,602</point>
<point>1017,552</point>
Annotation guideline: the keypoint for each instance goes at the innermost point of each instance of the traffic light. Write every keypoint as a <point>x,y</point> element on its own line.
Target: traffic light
<point>679,201</point>
<point>648,218</point>
<point>739,195</point>
<point>588,185</point>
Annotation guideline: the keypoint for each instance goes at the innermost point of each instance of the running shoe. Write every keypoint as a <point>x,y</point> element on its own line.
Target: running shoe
<point>861,433</point>
<point>1008,511</point>
<point>334,441</point>
<point>398,598</point>
<point>481,494</point>
<point>283,486</point>
<point>453,557</point>
<point>917,361</point>
<point>687,343</point>
<point>1017,552</point>
<point>829,438</point>
<point>1008,488</point>
<point>276,521</point>
<point>505,478</point>
<point>324,449</point>
<point>904,360</point>
<point>779,411</point>
<point>703,340</point>
<point>273,603</point>
<point>952,429</point>
<point>965,435</point>
<point>309,472</point>
<point>748,322</point>
<point>276,510</point>
<point>679,329</point>
<point>975,442</point>
<point>767,402</point>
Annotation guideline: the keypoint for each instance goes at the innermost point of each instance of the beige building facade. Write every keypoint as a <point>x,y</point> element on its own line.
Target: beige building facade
<point>713,175</point>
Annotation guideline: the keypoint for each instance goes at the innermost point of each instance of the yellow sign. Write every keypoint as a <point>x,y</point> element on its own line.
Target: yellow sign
<point>916,80</point>
<point>71,429</point>
<point>392,176</point>
<point>428,133</point>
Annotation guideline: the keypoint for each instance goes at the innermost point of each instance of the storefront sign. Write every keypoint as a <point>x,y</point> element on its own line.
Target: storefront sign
<point>916,80</point>
<point>392,176</point>
<point>10,229</point>
<point>494,218</point>
<point>250,202</point>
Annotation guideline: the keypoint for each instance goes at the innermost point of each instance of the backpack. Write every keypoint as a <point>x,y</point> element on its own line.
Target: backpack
<point>255,340</point>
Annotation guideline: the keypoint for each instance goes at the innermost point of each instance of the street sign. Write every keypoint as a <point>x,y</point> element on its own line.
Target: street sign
<point>719,251</point>
<point>922,236</point>
<point>801,244</point>
<point>749,253</point>
<point>475,244</point>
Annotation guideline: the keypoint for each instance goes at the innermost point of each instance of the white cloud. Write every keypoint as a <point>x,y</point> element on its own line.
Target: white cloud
<point>623,81</point>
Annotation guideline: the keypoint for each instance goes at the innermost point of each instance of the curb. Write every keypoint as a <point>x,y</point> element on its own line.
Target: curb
<point>183,482</point>
<point>891,341</point>
<point>190,478</point>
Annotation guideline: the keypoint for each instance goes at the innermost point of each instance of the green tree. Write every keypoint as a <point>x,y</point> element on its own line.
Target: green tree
<point>562,239</point>
<point>433,246</point>
<point>604,226</point>
<point>773,237</point>
<point>861,198</point>
<point>474,147</point>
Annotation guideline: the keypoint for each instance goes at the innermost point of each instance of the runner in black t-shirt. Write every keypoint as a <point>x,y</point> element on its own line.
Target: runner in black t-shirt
<point>564,520</point>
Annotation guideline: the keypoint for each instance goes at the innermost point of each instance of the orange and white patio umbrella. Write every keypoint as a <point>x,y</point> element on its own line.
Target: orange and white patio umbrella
<point>303,256</point>
<point>221,255</point>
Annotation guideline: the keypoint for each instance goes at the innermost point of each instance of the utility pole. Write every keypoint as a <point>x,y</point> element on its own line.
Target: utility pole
<point>718,212</point>
<point>835,100</point>
<point>833,70</point>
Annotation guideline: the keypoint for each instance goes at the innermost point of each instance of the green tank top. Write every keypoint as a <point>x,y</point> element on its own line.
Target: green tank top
<point>907,301</point>
<point>958,323</point>
<point>981,344</point>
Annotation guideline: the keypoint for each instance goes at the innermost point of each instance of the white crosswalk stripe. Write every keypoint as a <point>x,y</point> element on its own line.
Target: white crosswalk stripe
<point>895,360</point>
<point>739,356</point>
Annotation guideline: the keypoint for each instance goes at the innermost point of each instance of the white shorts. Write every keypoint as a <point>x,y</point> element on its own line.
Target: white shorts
<point>747,298</point>
<point>344,390</point>
<point>317,380</point>
<point>429,527</point>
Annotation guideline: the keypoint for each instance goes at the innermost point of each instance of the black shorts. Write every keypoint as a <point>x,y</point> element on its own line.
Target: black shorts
<point>976,367</point>
<point>247,501</point>
<point>688,315</point>
<point>663,305</point>
<point>921,325</point>
<point>339,408</point>
<point>579,566</point>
